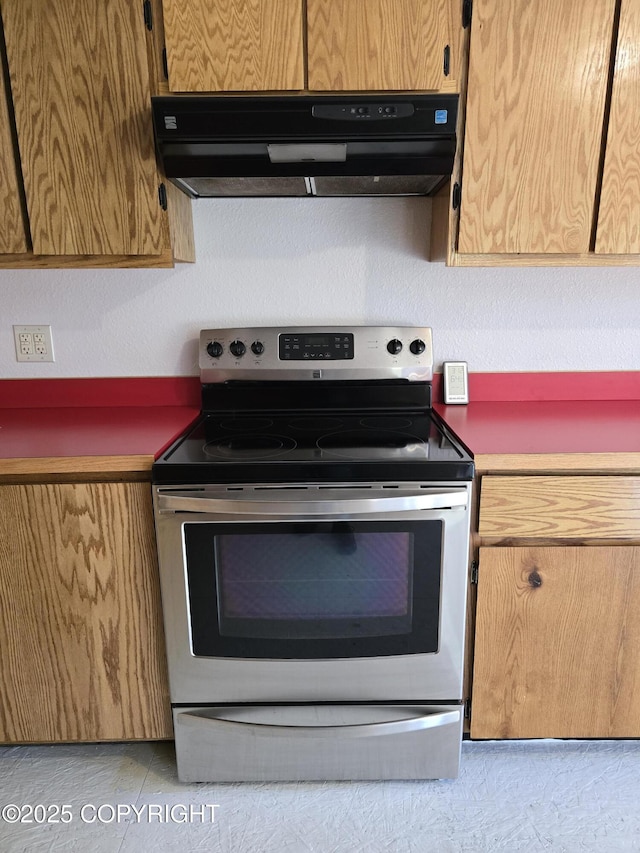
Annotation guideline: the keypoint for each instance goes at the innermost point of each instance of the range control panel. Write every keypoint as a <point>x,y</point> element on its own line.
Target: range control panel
<point>318,352</point>
<point>315,347</point>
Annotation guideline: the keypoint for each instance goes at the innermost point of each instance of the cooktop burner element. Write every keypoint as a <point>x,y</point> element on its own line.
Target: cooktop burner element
<point>365,444</point>
<point>248,447</point>
<point>360,411</point>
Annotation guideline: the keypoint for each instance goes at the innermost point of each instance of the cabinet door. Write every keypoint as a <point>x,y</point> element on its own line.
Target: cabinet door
<point>80,82</point>
<point>234,45</point>
<point>619,213</point>
<point>535,110</point>
<point>557,649</point>
<point>13,235</point>
<point>81,643</point>
<point>381,44</point>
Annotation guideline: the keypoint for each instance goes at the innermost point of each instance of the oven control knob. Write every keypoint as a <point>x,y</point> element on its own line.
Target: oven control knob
<point>237,348</point>
<point>257,347</point>
<point>214,349</point>
<point>394,346</point>
<point>417,347</point>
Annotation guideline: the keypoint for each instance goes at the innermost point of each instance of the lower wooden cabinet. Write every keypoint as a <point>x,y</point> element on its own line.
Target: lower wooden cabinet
<point>557,643</point>
<point>557,618</point>
<point>81,643</point>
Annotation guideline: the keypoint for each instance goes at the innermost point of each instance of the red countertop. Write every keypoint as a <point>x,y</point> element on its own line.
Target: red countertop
<point>93,426</point>
<point>87,440</point>
<point>540,435</point>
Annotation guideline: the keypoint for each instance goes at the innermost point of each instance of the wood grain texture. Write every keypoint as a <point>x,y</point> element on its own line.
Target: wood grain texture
<point>535,109</point>
<point>560,507</point>
<point>13,229</point>
<point>29,261</point>
<point>80,82</point>
<point>444,219</point>
<point>79,465</point>
<point>619,213</point>
<point>234,45</point>
<point>381,44</point>
<point>558,463</point>
<point>180,224</point>
<point>81,645</point>
<point>557,650</point>
<point>155,39</point>
<point>585,259</point>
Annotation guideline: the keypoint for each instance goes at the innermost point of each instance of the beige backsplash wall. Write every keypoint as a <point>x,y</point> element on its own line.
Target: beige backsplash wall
<point>321,261</point>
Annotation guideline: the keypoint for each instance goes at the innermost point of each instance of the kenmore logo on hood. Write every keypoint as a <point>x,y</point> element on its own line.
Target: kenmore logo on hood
<point>292,145</point>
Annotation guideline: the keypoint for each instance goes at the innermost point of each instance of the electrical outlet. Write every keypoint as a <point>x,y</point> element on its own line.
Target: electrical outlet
<point>33,343</point>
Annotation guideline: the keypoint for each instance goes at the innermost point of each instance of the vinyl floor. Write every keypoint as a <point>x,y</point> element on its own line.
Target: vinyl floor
<point>530,796</point>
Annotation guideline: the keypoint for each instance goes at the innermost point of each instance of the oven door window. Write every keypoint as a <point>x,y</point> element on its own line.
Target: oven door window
<point>314,590</point>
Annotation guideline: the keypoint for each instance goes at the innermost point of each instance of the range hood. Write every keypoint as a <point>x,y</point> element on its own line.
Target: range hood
<point>293,145</point>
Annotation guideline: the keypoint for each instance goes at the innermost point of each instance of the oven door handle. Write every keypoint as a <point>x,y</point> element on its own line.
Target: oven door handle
<point>207,716</point>
<point>332,503</point>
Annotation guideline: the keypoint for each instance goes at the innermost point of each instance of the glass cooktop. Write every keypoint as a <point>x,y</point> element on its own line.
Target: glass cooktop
<point>245,447</point>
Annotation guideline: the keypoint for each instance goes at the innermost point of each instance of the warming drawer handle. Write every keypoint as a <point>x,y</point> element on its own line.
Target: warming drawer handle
<point>272,505</point>
<point>203,719</point>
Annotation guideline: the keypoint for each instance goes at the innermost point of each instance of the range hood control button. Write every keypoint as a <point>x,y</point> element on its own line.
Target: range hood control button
<point>394,346</point>
<point>214,349</point>
<point>237,348</point>
<point>417,347</point>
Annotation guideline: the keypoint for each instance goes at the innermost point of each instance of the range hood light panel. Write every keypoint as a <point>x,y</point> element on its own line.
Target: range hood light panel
<point>304,152</point>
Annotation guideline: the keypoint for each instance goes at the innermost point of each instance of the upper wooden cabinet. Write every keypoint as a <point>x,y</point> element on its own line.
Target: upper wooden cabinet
<point>382,44</point>
<point>619,213</point>
<point>80,84</point>
<point>13,235</point>
<point>536,98</point>
<point>351,45</point>
<point>234,45</point>
<point>552,95</point>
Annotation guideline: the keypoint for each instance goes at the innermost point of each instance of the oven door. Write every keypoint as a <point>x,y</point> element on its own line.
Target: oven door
<point>314,593</point>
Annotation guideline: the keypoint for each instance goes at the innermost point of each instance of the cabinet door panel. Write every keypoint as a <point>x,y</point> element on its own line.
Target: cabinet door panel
<point>234,45</point>
<point>81,642</point>
<point>13,235</point>
<point>380,44</point>
<point>535,110</point>
<point>80,82</point>
<point>557,650</point>
<point>619,213</point>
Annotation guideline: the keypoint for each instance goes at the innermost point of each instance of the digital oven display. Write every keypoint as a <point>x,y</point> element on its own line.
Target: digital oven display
<point>332,346</point>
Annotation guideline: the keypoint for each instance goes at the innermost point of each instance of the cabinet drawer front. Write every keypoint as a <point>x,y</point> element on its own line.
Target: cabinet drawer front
<point>560,507</point>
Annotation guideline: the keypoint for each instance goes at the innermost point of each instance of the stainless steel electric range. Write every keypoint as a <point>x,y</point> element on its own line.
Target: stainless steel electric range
<point>313,532</point>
